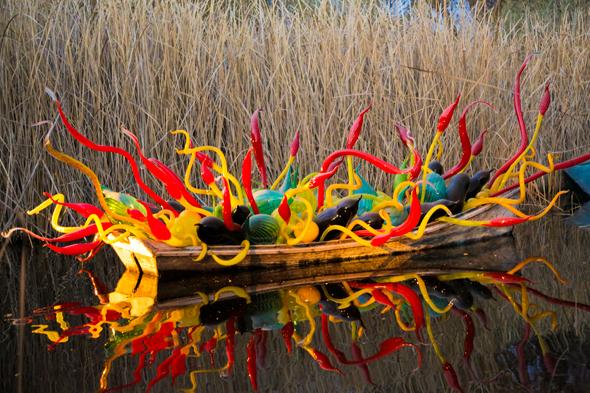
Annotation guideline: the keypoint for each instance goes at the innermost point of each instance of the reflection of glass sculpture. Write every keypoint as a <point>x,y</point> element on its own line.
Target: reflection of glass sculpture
<point>211,323</point>
<point>228,212</point>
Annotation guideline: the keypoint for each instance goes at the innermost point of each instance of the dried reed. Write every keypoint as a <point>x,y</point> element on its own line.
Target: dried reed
<point>206,66</point>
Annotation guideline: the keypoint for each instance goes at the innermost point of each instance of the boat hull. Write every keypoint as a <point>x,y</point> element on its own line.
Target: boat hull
<point>151,257</point>
<point>497,254</point>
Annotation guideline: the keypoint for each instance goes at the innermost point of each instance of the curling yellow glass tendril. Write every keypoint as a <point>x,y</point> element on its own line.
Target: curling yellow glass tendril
<point>312,326</point>
<point>474,202</point>
<point>541,260</point>
<point>283,173</point>
<point>239,257</point>
<point>56,213</point>
<point>93,178</point>
<point>351,186</point>
<point>506,175</point>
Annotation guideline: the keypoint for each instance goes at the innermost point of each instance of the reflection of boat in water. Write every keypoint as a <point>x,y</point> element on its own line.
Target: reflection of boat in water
<point>209,328</point>
<point>175,288</point>
<point>154,257</point>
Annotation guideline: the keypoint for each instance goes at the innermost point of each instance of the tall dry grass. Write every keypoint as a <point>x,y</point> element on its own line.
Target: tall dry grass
<point>206,66</point>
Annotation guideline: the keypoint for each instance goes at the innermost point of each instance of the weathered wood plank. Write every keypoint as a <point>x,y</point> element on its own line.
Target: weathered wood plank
<point>498,254</point>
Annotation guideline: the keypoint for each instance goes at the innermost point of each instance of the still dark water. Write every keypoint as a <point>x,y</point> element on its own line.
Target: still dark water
<point>115,333</point>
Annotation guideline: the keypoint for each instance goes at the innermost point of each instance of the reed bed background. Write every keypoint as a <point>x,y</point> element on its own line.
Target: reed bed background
<point>206,66</point>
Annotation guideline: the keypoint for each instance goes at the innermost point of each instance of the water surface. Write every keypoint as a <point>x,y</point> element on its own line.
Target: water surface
<point>501,361</point>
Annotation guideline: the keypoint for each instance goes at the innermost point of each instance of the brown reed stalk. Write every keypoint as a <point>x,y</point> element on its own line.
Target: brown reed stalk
<point>206,66</point>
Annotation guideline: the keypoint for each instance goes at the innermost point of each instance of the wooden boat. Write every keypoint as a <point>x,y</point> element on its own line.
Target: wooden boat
<point>153,257</point>
<point>176,289</point>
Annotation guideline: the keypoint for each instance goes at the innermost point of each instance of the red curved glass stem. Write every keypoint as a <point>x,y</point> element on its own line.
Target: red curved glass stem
<point>287,333</point>
<point>506,221</point>
<point>98,288</point>
<point>111,149</point>
<point>324,362</point>
<point>404,134</point>
<point>203,158</point>
<point>173,184</point>
<point>415,304</point>
<point>251,362</point>
<point>336,164</point>
<point>377,162</point>
<point>154,168</point>
<point>91,254</point>
<point>557,167</point>
<point>483,318</point>
<point>206,173</point>
<point>178,365</point>
<point>93,313</point>
<point>176,182</point>
<point>332,167</point>
<point>73,331</point>
<point>174,365</point>
<point>355,130</point>
<point>157,227</point>
<point>524,139</point>
<point>284,209</point>
<point>153,344</point>
<point>447,115</point>
<point>160,340</point>
<point>295,145</point>
<point>209,347</point>
<point>112,316</point>
<point>136,215</point>
<point>381,298</point>
<point>545,100</point>
<point>404,291</point>
<point>227,219</point>
<point>74,249</point>
<point>411,221</point>
<point>230,346</point>
<point>465,142</point>
<point>145,346</point>
<point>477,146</point>
<point>68,237</point>
<point>256,140</point>
<point>333,161</point>
<point>505,278</point>
<point>351,140</point>
<point>330,345</point>
<point>247,180</point>
<point>451,377</point>
<point>319,181</point>
<point>83,209</point>
<point>408,141</point>
<point>321,196</point>
<point>469,332</point>
<point>388,346</point>
<point>561,302</point>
